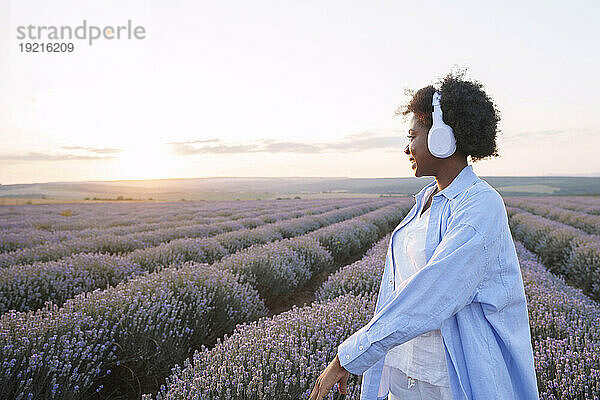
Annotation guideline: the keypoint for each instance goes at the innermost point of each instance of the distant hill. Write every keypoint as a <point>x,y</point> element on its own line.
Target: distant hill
<point>231,188</point>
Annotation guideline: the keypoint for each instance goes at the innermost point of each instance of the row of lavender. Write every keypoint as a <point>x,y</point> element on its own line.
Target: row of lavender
<point>115,239</point>
<point>28,287</point>
<point>48,217</point>
<point>587,204</point>
<point>18,238</point>
<point>127,221</point>
<point>581,220</point>
<point>281,357</point>
<point>592,206</point>
<point>563,249</point>
<point>76,219</point>
<point>114,244</point>
<point>136,331</point>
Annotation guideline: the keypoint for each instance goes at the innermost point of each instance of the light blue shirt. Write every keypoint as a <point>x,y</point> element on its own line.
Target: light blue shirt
<point>471,288</point>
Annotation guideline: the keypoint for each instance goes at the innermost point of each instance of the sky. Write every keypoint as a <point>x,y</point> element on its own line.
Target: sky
<point>288,88</point>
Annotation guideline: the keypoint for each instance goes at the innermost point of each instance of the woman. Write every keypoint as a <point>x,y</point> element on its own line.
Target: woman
<point>451,315</point>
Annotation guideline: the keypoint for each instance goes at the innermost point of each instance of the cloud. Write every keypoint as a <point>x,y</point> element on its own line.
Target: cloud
<point>104,150</point>
<point>35,156</point>
<point>350,144</point>
<point>196,141</point>
<point>93,153</point>
<point>186,149</point>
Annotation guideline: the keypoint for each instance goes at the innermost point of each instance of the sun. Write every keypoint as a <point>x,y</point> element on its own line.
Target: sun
<point>146,161</point>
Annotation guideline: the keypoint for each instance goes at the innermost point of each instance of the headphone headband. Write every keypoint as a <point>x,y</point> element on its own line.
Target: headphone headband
<point>436,99</point>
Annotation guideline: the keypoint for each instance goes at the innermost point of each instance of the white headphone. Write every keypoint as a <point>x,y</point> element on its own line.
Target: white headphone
<point>440,141</point>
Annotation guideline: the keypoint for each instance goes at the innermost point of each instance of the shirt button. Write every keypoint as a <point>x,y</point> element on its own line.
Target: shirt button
<point>347,356</point>
<point>360,347</point>
<point>391,281</point>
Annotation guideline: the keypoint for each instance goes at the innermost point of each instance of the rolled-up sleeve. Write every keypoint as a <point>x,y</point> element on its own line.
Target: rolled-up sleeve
<point>441,288</point>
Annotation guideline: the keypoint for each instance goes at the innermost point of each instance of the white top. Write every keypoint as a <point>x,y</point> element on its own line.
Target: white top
<point>422,358</point>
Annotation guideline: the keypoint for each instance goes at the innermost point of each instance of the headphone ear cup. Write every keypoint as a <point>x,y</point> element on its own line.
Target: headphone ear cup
<point>441,142</point>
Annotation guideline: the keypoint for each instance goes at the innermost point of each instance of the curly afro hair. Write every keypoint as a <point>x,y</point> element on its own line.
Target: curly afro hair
<point>472,115</point>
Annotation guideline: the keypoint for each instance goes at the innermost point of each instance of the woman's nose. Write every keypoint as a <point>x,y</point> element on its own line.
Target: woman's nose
<point>406,150</point>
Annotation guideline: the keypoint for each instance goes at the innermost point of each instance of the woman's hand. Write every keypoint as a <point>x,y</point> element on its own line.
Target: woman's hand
<point>333,374</point>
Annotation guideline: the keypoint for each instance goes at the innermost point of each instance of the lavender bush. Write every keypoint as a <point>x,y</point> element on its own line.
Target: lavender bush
<point>588,205</point>
<point>205,250</point>
<point>132,332</point>
<point>276,270</point>
<point>587,223</point>
<point>360,277</point>
<point>562,249</point>
<point>583,267</point>
<point>565,331</point>
<point>28,287</point>
<point>276,358</point>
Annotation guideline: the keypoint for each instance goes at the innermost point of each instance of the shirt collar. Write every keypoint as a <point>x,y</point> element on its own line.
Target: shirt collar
<point>462,181</point>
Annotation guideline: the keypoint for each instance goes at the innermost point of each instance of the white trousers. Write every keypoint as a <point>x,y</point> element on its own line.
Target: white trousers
<point>405,388</point>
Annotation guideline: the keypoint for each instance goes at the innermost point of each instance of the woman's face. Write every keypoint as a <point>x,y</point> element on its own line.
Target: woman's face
<point>422,161</point>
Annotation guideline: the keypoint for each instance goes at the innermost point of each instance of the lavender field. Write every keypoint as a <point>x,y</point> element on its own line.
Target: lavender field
<point>183,300</point>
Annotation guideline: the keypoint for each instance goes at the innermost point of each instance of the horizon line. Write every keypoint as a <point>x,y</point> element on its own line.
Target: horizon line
<point>594,175</point>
